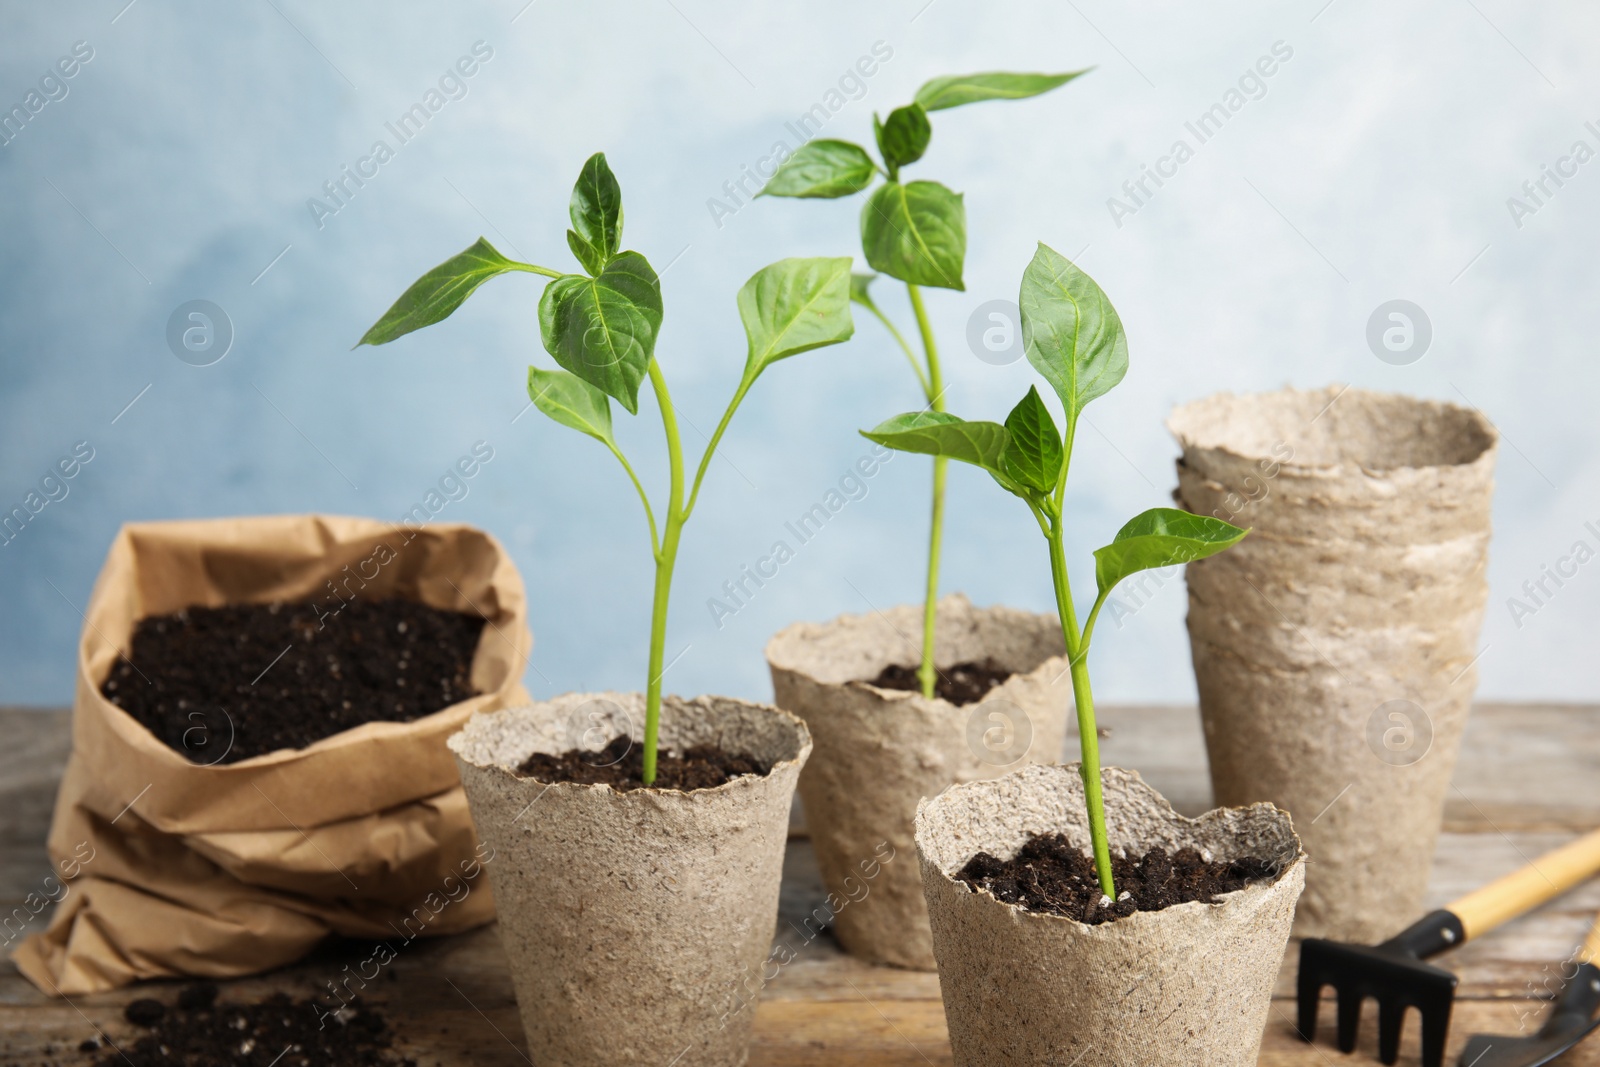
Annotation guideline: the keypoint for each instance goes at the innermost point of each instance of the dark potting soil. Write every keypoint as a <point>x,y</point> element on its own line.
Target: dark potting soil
<point>621,765</point>
<point>1051,875</point>
<point>197,1031</point>
<point>965,683</point>
<point>223,684</point>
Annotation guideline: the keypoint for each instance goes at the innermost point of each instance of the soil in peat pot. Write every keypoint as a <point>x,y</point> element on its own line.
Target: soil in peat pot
<point>219,685</point>
<point>621,765</point>
<point>965,683</point>
<point>197,1031</point>
<point>1050,875</point>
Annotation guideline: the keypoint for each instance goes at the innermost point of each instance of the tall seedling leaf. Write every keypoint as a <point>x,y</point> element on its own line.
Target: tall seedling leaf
<point>573,402</point>
<point>591,258</point>
<point>1033,454</point>
<point>904,136</point>
<point>1161,537</point>
<point>432,297</point>
<point>822,169</point>
<point>935,433</point>
<point>1070,332</point>
<point>917,233</point>
<point>596,210</point>
<point>792,306</point>
<point>603,329</point>
<point>957,89</point>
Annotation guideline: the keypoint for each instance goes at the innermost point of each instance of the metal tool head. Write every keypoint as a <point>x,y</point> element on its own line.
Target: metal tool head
<point>1568,1024</point>
<point>1394,975</point>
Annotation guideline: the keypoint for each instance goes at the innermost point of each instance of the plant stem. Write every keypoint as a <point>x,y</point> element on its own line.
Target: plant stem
<point>644,498</point>
<point>1088,736</point>
<point>911,357</point>
<point>665,559</point>
<point>711,445</point>
<point>927,675</point>
<point>530,268</point>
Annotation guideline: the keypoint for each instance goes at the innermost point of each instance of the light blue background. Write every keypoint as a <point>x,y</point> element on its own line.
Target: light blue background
<point>1377,165</point>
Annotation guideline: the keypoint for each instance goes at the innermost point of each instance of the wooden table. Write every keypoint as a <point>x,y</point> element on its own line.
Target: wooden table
<point>1528,780</point>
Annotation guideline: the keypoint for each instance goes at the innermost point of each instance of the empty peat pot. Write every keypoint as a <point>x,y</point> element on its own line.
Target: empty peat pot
<point>880,751</point>
<point>1191,983</point>
<point>635,923</point>
<point>1335,648</point>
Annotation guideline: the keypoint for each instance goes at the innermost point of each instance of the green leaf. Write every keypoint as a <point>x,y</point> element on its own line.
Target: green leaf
<point>596,208</point>
<point>822,169</point>
<point>859,289</point>
<point>1070,331</point>
<point>571,401</point>
<point>1161,537</point>
<point>592,261</point>
<point>917,233</point>
<point>889,165</point>
<point>957,89</point>
<point>603,329</point>
<point>432,297</point>
<point>935,433</point>
<point>793,306</point>
<point>1033,452</point>
<point>903,136</point>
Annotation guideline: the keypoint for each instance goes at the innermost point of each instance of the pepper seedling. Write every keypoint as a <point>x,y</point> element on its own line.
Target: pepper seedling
<point>915,232</point>
<point>601,327</point>
<point>1074,338</point>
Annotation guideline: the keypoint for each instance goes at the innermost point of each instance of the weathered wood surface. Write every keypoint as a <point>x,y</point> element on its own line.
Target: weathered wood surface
<point>1528,780</point>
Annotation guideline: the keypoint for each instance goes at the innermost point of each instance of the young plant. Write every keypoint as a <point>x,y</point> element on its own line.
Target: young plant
<point>915,232</point>
<point>1073,337</point>
<point>601,326</point>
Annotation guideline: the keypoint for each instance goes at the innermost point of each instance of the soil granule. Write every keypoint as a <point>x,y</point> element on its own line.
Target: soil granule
<point>965,683</point>
<point>621,765</point>
<point>1053,876</point>
<point>219,685</point>
<point>197,1031</point>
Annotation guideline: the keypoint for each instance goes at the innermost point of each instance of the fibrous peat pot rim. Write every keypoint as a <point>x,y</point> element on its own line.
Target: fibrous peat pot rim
<point>1287,850</point>
<point>1191,983</point>
<point>477,741</point>
<point>1398,432</point>
<point>844,650</point>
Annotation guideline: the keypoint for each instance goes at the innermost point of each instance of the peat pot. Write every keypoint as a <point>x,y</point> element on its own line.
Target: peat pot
<point>636,924</point>
<point>1190,984</point>
<point>880,751</point>
<point>1335,648</point>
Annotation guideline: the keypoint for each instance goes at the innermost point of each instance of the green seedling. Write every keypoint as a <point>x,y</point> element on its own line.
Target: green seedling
<point>601,327</point>
<point>1074,338</point>
<point>915,232</point>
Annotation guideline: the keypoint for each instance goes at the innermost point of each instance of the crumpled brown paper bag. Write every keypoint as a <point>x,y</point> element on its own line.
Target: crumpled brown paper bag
<point>238,868</point>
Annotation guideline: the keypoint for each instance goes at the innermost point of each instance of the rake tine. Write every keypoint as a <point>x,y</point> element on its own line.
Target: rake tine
<point>1391,1017</point>
<point>1435,1026</point>
<point>1349,1017</point>
<point>1308,996</point>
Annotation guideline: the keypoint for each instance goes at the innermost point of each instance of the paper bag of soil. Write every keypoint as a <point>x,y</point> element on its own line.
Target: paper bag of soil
<point>171,867</point>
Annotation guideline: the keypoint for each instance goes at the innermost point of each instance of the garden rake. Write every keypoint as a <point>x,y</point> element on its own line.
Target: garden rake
<point>1393,973</point>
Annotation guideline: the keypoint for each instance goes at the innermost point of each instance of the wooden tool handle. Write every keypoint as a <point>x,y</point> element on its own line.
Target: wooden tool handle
<point>1590,952</point>
<point>1523,890</point>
